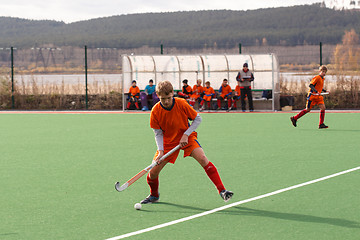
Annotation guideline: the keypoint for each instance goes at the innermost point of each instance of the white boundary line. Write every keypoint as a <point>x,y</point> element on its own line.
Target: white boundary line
<point>148,112</point>
<point>231,205</point>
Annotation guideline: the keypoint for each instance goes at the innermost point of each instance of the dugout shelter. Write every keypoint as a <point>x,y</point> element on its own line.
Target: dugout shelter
<point>213,68</point>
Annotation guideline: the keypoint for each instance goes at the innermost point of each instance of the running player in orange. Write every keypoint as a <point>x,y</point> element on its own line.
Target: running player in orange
<point>314,98</point>
<point>197,92</point>
<point>208,94</point>
<point>225,93</point>
<point>169,120</point>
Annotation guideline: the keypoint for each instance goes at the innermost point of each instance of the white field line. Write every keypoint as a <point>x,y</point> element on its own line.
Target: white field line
<point>148,112</point>
<point>231,205</point>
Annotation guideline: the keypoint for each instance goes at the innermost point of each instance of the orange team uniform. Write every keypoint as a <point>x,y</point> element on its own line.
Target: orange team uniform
<point>174,122</point>
<point>313,100</point>
<point>197,90</point>
<point>237,95</point>
<point>134,91</point>
<point>208,93</point>
<point>225,91</point>
<point>238,91</point>
<point>187,90</point>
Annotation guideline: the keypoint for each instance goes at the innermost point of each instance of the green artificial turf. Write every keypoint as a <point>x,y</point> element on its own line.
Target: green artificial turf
<point>58,172</point>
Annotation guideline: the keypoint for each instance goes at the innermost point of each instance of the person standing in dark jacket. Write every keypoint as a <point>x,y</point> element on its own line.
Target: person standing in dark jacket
<point>245,77</point>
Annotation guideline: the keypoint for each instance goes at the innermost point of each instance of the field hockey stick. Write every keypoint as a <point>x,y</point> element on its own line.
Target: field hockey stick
<point>319,94</point>
<point>144,171</point>
<point>232,105</point>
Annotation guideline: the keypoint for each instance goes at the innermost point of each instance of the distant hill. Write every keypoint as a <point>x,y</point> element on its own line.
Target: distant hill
<point>286,26</point>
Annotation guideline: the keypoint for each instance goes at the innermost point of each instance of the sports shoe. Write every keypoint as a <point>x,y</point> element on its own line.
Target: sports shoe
<point>229,109</point>
<point>226,195</point>
<point>201,109</point>
<point>321,126</point>
<point>150,199</point>
<point>293,120</point>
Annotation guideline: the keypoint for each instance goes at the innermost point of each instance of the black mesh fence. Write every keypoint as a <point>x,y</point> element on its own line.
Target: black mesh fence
<point>53,78</point>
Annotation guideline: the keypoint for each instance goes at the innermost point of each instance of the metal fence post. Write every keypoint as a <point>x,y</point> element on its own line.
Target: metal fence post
<point>12,79</point>
<point>239,48</point>
<point>86,79</point>
<point>162,49</point>
<point>321,61</point>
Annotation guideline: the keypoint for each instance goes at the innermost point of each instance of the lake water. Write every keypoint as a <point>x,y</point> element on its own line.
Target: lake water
<point>68,79</point>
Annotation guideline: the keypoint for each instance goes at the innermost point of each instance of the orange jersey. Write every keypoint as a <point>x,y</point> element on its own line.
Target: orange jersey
<point>208,93</point>
<point>225,90</point>
<point>187,90</point>
<point>237,91</point>
<point>173,122</point>
<point>134,90</point>
<point>318,82</point>
<point>197,90</point>
<point>312,100</point>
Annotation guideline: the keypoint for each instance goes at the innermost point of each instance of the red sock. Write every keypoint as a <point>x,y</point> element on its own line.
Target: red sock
<point>202,103</point>
<point>137,105</point>
<point>300,114</point>
<point>219,103</point>
<point>209,105</point>
<point>154,186</point>
<point>214,176</point>
<point>229,103</point>
<point>128,105</point>
<point>322,117</point>
<point>234,103</point>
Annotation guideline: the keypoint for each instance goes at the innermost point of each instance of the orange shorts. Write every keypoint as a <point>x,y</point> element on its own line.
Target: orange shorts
<point>314,100</point>
<point>207,98</point>
<point>192,144</point>
<point>195,96</point>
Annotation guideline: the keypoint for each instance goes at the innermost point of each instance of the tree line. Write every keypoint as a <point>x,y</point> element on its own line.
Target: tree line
<point>284,26</point>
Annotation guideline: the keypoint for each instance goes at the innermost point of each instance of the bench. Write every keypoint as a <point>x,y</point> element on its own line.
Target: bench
<point>259,95</point>
<point>261,99</point>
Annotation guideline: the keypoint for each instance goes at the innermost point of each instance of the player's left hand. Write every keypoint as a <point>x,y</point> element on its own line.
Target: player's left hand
<point>184,140</point>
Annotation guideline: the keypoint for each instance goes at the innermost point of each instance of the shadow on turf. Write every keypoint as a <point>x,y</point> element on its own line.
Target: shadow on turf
<point>8,234</point>
<point>183,207</point>
<point>293,217</point>
<point>330,130</point>
<point>269,214</point>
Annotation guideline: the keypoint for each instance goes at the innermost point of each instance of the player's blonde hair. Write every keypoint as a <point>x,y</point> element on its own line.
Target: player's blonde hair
<point>164,87</point>
<point>323,68</point>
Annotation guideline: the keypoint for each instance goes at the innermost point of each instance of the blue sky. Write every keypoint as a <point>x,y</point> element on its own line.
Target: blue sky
<point>76,10</point>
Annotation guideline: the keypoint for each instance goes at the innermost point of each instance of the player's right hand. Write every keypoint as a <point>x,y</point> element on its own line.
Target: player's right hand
<point>184,140</point>
<point>159,156</point>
